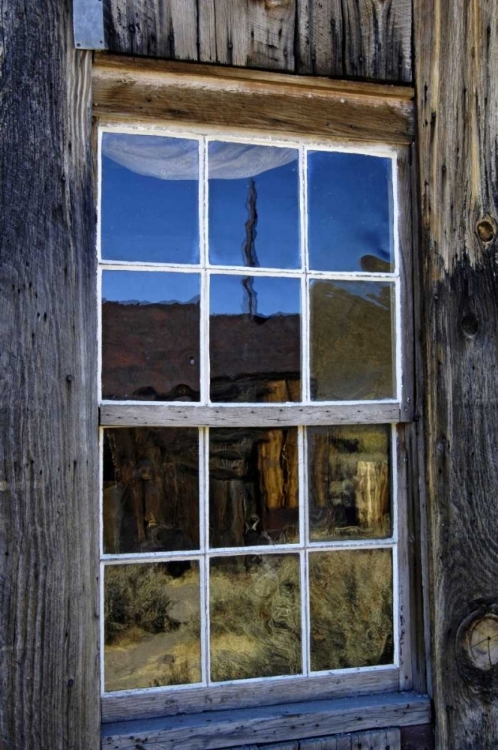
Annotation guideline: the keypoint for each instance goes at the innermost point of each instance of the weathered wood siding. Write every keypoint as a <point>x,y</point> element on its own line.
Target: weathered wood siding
<point>368,39</point>
<point>48,462</point>
<point>456,47</point>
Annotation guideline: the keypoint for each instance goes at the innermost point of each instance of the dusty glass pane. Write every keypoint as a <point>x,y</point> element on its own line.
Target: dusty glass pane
<point>151,490</point>
<point>253,206</point>
<point>150,336</point>
<point>150,199</point>
<point>253,487</point>
<point>351,609</point>
<point>152,626</point>
<point>349,482</point>
<point>255,347</point>
<point>352,340</point>
<point>255,613</point>
<point>350,223</point>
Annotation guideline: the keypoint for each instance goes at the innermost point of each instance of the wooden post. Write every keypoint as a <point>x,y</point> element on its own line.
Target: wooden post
<point>456,52</point>
<point>49,682</point>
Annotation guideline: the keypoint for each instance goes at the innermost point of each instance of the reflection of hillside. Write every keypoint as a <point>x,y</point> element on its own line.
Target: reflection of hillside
<point>152,349</point>
<point>151,352</point>
<point>255,358</point>
<point>351,341</point>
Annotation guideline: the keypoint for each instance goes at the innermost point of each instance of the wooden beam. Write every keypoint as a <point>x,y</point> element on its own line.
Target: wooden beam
<point>49,674</point>
<point>131,89</point>
<point>456,50</point>
<point>242,415</point>
<point>225,729</point>
<point>164,702</point>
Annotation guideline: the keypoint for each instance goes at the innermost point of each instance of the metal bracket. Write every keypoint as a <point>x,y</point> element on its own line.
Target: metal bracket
<point>88,24</point>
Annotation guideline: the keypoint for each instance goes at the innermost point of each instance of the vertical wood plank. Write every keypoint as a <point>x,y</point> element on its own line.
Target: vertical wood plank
<point>417,738</point>
<point>327,743</point>
<point>456,50</point>
<point>383,739</point>
<point>248,33</point>
<point>154,28</point>
<point>362,39</point>
<point>49,679</point>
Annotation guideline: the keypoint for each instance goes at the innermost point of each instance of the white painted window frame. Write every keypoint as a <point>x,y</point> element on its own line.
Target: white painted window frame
<point>264,691</point>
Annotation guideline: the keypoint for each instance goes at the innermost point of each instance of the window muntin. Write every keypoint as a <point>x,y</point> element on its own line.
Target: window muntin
<point>303,387</point>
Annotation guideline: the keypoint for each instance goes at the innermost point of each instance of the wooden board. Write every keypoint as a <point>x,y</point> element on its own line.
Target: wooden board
<point>161,415</point>
<point>366,39</point>
<point>456,47</point>
<point>155,703</point>
<point>247,33</point>
<point>49,674</point>
<point>225,729</point>
<point>417,738</point>
<point>157,91</point>
<point>370,39</point>
<point>154,28</point>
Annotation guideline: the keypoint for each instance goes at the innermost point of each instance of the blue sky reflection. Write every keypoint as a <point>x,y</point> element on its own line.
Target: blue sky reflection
<point>272,296</point>
<point>146,287</point>
<point>350,212</point>
<point>148,215</point>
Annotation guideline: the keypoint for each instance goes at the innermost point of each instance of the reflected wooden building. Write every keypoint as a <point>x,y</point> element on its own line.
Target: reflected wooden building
<point>151,498</point>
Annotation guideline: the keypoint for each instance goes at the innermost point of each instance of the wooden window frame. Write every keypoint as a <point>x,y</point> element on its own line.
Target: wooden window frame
<point>224,101</point>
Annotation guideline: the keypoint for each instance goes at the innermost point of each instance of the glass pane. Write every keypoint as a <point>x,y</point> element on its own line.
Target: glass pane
<point>351,609</point>
<point>255,339</point>
<point>152,626</point>
<point>352,340</point>
<point>255,611</point>
<point>151,490</point>
<point>349,484</point>
<point>150,336</point>
<point>253,487</point>
<point>150,199</point>
<point>253,206</point>
<point>350,220</point>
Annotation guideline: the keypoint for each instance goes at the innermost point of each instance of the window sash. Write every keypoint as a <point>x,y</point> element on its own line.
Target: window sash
<point>265,691</point>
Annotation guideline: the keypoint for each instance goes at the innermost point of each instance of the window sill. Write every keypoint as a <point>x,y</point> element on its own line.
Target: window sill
<point>224,729</point>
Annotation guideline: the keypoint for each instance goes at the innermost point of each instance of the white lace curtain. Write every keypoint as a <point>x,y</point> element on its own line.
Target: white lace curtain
<point>177,158</point>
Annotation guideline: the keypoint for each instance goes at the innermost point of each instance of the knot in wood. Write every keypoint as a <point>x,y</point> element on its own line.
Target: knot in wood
<point>478,638</point>
<point>486,229</point>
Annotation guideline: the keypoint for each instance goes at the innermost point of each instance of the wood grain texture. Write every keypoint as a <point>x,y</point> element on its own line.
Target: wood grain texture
<point>48,449</point>
<point>456,49</point>
<point>368,39</point>
<point>248,33</point>
<point>417,738</point>
<point>362,39</point>
<point>225,729</point>
<point>160,415</point>
<point>117,708</point>
<point>138,90</point>
<point>153,28</point>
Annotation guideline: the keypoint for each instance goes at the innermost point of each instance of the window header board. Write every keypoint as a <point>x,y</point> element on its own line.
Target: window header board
<point>131,89</point>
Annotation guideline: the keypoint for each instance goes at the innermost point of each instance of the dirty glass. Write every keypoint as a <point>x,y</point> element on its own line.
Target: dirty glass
<point>152,625</point>
<point>255,347</point>
<point>351,609</point>
<point>150,336</point>
<point>352,340</point>
<point>255,616</point>
<point>151,490</point>
<point>349,482</point>
<point>253,487</point>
